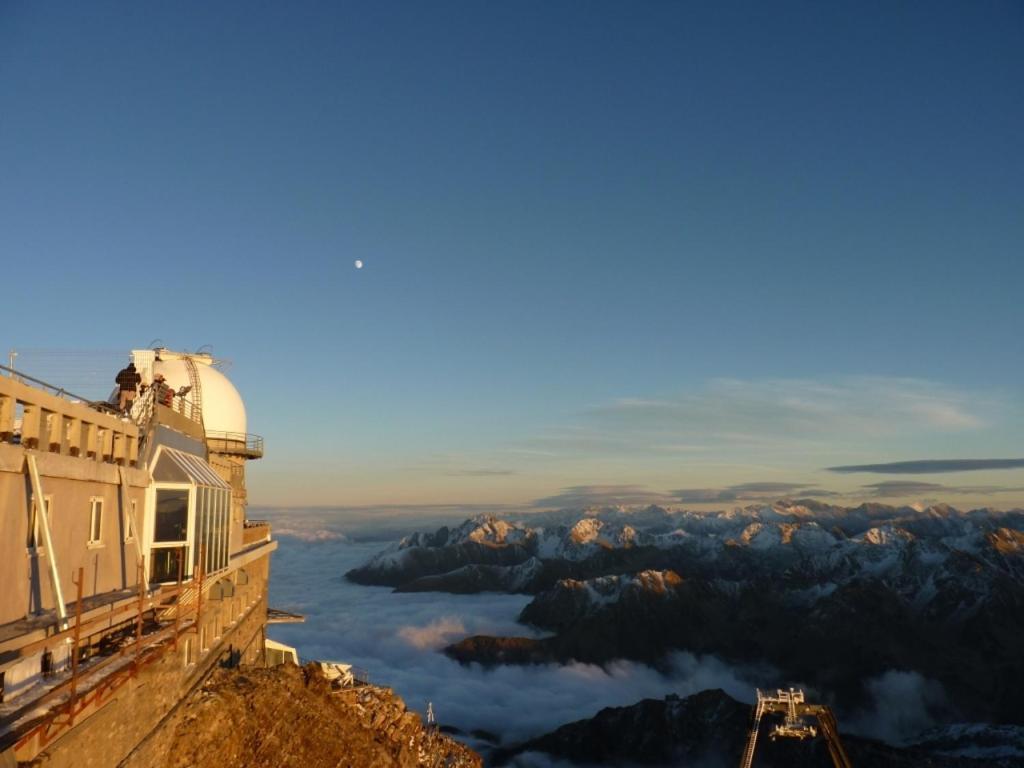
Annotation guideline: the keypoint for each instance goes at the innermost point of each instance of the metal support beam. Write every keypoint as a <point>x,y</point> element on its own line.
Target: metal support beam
<point>51,553</point>
<point>74,647</point>
<point>126,505</point>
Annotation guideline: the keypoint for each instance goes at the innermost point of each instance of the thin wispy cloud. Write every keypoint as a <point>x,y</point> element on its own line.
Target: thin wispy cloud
<point>899,488</point>
<point>480,472</point>
<point>755,491</point>
<point>603,495</point>
<point>931,466</point>
<point>729,414</point>
<point>905,488</point>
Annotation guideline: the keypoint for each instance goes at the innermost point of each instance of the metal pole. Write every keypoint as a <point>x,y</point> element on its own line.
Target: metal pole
<point>138,621</point>
<point>51,553</point>
<point>199,588</point>
<point>177,602</point>
<point>74,646</point>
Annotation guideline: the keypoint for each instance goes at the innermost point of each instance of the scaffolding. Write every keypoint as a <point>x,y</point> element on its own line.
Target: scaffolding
<point>793,706</point>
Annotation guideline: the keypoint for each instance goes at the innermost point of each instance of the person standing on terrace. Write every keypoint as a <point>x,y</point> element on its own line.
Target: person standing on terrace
<point>127,380</point>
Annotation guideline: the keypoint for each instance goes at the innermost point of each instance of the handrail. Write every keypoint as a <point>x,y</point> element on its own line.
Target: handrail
<point>187,408</point>
<point>253,443</point>
<point>145,404</point>
<point>99,405</point>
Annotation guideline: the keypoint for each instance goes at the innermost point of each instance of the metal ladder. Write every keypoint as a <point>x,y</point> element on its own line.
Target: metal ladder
<point>748,753</point>
<point>197,389</point>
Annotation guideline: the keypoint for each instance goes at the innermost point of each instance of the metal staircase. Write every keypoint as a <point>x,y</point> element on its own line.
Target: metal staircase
<point>792,705</point>
<point>748,752</point>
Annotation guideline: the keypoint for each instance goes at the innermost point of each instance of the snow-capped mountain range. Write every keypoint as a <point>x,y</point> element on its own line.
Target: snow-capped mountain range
<point>824,595</point>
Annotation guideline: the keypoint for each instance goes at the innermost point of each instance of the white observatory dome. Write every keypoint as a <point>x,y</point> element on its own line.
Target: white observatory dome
<point>223,408</point>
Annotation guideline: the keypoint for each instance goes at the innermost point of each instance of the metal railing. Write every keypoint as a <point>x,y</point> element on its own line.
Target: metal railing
<point>187,408</point>
<point>253,444</point>
<point>254,531</point>
<point>100,405</point>
<point>39,416</point>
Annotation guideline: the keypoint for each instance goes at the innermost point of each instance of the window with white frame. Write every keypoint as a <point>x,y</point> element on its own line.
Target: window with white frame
<point>34,540</point>
<point>170,535</point>
<point>95,521</point>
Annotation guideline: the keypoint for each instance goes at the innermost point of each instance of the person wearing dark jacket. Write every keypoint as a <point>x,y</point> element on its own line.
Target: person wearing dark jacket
<point>127,380</point>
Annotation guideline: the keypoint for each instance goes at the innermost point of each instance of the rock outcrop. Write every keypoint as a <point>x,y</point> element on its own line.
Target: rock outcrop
<point>287,717</point>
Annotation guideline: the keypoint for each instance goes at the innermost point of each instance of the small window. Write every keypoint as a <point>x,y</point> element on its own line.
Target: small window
<point>95,521</point>
<point>35,540</point>
<point>190,652</point>
<point>130,514</point>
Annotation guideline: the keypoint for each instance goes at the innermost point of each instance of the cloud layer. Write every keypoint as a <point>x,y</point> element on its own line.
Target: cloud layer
<point>931,466</point>
<point>898,488</point>
<point>603,495</point>
<point>395,636</point>
<point>901,705</point>
<point>758,491</point>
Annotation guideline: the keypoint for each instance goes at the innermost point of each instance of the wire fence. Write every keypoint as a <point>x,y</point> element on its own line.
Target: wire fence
<point>88,373</point>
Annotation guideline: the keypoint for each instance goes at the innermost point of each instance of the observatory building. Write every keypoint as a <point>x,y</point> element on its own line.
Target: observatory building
<point>129,567</point>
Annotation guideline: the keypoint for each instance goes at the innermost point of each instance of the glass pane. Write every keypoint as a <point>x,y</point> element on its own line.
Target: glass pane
<point>201,504</point>
<point>97,519</point>
<point>225,531</point>
<point>164,565</point>
<point>171,515</point>
<point>220,532</point>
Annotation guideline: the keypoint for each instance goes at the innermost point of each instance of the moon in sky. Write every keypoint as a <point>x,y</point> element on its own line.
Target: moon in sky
<point>359,263</point>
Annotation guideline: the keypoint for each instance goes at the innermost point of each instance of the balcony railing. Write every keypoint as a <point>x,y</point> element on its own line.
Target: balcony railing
<point>236,443</point>
<point>255,531</point>
<point>37,415</point>
<point>96,405</point>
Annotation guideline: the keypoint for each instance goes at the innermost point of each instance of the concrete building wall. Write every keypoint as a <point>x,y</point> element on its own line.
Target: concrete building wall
<point>70,484</point>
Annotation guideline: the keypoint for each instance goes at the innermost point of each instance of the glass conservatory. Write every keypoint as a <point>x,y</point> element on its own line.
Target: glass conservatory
<point>191,511</point>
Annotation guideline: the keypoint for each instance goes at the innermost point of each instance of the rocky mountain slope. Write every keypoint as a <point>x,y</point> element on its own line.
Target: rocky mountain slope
<point>710,728</point>
<point>288,717</point>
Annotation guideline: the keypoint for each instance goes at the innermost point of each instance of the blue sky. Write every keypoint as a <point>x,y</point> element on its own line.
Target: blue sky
<point>606,244</point>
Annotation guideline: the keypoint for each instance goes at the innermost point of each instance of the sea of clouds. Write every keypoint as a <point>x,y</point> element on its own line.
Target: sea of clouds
<point>397,637</point>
